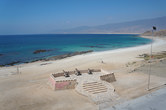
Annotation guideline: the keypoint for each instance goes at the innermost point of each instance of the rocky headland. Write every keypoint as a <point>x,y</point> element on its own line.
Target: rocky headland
<point>160,33</point>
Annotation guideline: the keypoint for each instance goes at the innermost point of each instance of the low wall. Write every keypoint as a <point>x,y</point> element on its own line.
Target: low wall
<point>73,72</point>
<point>65,84</point>
<point>108,77</point>
<point>58,74</point>
<point>61,85</point>
<point>52,81</point>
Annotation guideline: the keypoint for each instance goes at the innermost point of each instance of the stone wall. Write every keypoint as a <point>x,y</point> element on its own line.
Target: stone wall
<point>73,72</point>
<point>52,81</point>
<point>61,85</point>
<point>58,74</point>
<point>65,84</point>
<point>108,77</point>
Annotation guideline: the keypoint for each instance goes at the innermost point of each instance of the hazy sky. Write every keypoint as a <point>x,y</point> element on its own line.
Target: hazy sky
<point>45,16</point>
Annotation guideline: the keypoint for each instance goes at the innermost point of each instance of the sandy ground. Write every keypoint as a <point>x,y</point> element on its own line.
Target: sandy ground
<point>153,101</point>
<point>29,89</point>
<point>156,69</point>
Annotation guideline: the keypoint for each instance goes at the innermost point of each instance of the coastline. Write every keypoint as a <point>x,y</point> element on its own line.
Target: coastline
<point>112,58</point>
<point>42,53</point>
<point>58,57</point>
<point>33,77</point>
<point>104,55</point>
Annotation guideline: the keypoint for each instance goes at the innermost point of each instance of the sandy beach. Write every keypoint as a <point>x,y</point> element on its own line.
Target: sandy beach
<point>29,89</point>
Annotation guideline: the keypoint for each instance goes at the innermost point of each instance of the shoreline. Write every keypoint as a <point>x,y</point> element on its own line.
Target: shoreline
<point>93,59</point>
<point>32,78</point>
<point>59,57</point>
<point>50,58</point>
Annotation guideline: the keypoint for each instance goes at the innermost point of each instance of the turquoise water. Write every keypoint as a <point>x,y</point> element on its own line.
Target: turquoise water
<point>20,48</point>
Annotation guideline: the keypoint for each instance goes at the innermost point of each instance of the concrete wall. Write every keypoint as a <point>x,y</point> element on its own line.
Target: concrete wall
<point>108,77</point>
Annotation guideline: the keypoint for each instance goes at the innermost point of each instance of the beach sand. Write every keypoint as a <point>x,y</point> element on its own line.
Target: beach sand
<point>29,89</point>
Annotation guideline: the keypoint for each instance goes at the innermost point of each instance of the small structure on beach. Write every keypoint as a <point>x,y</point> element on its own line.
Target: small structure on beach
<point>108,77</point>
<point>94,83</point>
<point>61,81</point>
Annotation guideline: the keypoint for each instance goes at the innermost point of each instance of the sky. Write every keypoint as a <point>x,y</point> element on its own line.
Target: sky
<point>45,16</point>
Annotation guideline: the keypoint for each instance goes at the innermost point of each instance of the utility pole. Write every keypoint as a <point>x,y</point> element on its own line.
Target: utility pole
<point>18,70</point>
<point>150,61</point>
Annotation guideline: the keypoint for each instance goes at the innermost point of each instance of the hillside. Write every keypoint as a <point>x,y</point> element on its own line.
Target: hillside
<point>138,26</point>
<point>157,33</point>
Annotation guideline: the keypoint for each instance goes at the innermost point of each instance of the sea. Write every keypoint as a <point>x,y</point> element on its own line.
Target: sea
<point>21,48</point>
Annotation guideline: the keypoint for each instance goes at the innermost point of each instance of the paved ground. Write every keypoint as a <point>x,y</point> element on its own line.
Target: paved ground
<point>153,101</point>
<point>95,89</point>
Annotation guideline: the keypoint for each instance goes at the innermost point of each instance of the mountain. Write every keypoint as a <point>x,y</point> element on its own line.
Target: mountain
<point>138,26</point>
